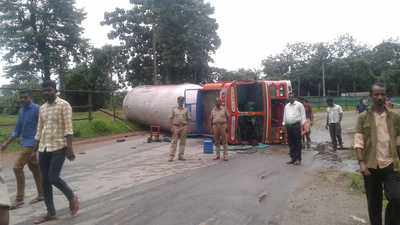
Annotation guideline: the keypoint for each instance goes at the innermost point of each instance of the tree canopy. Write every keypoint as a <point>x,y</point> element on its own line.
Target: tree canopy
<point>40,37</point>
<point>170,41</point>
<point>348,65</point>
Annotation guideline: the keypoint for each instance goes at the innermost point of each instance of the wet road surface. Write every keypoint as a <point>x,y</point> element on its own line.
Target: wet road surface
<point>121,185</point>
<point>132,183</point>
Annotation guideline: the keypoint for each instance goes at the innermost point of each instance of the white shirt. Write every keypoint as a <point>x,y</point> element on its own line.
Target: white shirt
<point>334,113</point>
<point>294,113</point>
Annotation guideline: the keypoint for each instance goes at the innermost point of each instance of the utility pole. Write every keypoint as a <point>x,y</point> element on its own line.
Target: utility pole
<point>298,87</point>
<point>323,79</point>
<point>155,78</point>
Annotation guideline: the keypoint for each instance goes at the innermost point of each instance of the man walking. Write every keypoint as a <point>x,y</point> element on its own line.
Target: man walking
<point>219,119</point>
<point>54,143</point>
<point>377,145</point>
<point>294,117</point>
<point>179,126</point>
<point>26,131</point>
<point>333,120</point>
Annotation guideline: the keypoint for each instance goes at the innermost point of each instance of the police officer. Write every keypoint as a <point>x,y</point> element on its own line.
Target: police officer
<point>179,126</point>
<point>219,118</point>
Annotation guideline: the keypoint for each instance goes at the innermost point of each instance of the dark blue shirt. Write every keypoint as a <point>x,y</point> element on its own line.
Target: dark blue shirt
<point>361,107</point>
<point>27,125</point>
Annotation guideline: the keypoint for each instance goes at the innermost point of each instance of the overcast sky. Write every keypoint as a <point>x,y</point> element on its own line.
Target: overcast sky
<point>253,29</point>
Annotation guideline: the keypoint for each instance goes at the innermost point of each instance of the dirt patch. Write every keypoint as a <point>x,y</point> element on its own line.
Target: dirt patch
<point>326,198</point>
<point>331,194</point>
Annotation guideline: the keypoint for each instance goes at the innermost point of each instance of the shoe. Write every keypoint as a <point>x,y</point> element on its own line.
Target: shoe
<point>297,163</point>
<point>44,219</point>
<point>217,158</point>
<point>170,160</point>
<point>36,200</point>
<point>226,159</point>
<point>182,159</point>
<point>74,206</point>
<point>290,162</point>
<point>17,204</point>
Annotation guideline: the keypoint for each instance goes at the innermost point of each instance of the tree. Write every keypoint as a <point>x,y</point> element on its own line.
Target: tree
<point>95,74</point>
<point>220,74</point>
<point>40,37</point>
<point>385,64</point>
<point>348,65</point>
<point>170,40</point>
<point>9,100</point>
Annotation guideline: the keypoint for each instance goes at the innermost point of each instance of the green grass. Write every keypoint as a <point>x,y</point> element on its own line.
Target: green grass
<point>101,125</point>
<point>356,182</point>
<point>323,109</point>
<point>357,185</point>
<point>5,131</point>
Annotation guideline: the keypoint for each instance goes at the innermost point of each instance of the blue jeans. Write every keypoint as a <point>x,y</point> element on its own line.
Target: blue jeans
<point>51,164</point>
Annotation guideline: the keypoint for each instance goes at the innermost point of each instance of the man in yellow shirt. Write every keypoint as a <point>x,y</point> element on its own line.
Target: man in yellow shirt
<point>54,144</point>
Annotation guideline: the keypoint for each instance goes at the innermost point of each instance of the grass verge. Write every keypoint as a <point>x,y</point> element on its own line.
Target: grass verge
<point>357,185</point>
<point>101,125</point>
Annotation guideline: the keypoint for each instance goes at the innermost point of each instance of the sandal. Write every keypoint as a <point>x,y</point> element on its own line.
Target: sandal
<point>44,219</point>
<point>36,200</point>
<point>74,206</point>
<point>17,205</point>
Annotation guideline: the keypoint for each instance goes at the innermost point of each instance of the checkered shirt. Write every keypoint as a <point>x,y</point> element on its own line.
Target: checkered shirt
<point>55,123</point>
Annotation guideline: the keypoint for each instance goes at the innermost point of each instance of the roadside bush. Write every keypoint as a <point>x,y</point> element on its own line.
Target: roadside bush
<point>77,133</point>
<point>356,182</point>
<point>100,127</point>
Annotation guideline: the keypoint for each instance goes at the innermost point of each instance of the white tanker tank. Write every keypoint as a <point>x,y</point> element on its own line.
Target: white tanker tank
<point>152,104</point>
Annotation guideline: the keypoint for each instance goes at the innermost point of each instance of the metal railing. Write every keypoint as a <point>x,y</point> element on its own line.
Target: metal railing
<point>112,102</point>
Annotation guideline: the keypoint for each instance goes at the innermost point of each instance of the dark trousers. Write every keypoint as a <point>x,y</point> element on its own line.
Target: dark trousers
<point>51,164</point>
<point>294,139</point>
<point>386,180</point>
<point>336,134</point>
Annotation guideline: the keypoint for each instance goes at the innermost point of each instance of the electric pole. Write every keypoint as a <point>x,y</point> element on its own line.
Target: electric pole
<point>323,79</point>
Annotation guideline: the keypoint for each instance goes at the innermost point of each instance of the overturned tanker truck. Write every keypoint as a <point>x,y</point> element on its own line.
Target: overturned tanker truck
<point>255,108</point>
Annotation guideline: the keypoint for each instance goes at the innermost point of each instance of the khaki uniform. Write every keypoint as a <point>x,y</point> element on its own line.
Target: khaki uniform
<point>180,120</point>
<point>219,125</point>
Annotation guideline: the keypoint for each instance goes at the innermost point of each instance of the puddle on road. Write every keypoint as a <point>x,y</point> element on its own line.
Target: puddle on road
<point>339,159</point>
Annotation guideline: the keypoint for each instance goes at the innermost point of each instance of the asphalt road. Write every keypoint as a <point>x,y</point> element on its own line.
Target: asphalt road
<point>132,183</point>
<point>247,190</point>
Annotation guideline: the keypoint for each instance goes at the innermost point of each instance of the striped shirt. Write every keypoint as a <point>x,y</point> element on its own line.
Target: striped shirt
<point>55,123</point>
